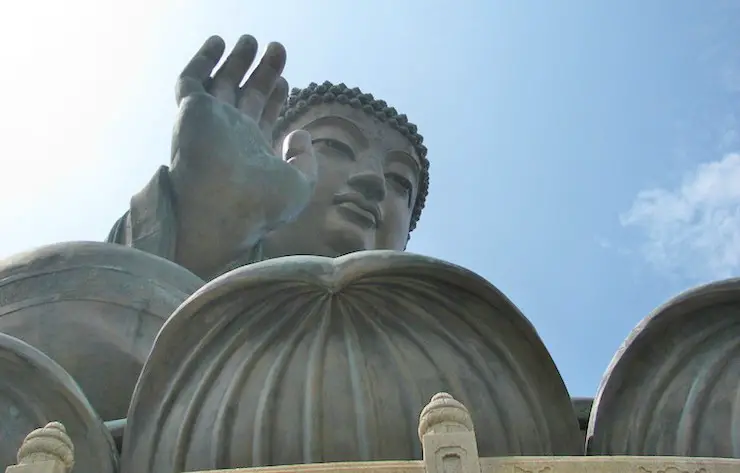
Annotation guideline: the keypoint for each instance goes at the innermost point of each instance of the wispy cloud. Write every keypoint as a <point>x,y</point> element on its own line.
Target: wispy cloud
<point>693,230</point>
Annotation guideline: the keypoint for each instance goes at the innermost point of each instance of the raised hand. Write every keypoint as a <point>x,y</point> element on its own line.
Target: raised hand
<point>230,188</point>
<point>264,91</point>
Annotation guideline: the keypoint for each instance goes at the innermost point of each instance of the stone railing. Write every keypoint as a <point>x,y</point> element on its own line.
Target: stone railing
<point>449,445</point>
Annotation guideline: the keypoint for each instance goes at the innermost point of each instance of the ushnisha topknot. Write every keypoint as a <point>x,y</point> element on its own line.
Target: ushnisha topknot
<point>301,100</point>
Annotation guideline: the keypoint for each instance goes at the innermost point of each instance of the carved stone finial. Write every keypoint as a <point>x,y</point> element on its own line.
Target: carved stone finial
<point>444,414</point>
<point>447,437</point>
<point>48,444</point>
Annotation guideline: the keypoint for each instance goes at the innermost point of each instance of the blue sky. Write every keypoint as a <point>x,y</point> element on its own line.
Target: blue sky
<point>582,151</point>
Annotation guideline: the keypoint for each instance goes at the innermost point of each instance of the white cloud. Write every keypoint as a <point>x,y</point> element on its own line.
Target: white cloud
<point>693,230</point>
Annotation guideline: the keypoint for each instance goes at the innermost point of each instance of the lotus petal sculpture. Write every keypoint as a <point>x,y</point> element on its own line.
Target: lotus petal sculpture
<point>34,391</point>
<point>673,388</point>
<point>94,308</point>
<point>308,359</point>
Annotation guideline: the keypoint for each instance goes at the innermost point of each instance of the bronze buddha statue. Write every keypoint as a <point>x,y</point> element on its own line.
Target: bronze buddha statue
<point>255,305</point>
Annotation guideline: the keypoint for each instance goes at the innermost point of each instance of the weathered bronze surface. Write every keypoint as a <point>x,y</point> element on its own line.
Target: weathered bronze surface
<point>35,391</point>
<point>311,359</point>
<point>674,386</point>
<point>95,309</point>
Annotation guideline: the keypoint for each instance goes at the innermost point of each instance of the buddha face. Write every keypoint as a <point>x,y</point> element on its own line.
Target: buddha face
<point>368,178</point>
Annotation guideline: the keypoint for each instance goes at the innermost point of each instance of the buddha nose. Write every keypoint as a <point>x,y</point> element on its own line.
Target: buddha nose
<point>370,184</point>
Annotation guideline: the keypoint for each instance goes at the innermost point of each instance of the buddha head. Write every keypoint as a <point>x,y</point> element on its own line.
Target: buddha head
<point>373,174</point>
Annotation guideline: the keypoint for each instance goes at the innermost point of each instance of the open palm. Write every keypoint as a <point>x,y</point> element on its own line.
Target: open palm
<point>224,171</point>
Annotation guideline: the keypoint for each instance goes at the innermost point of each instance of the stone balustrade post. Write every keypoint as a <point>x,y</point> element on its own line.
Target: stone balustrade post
<point>447,437</point>
<point>45,450</point>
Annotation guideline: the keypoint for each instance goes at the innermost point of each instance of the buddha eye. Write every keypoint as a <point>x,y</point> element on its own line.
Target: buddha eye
<point>335,146</point>
<point>402,184</point>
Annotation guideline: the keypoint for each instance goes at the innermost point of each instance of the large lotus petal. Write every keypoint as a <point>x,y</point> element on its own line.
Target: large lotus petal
<point>35,391</point>
<point>309,359</point>
<point>673,388</point>
<point>95,309</point>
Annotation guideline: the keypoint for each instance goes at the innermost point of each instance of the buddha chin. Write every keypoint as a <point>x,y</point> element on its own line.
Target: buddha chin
<point>347,231</point>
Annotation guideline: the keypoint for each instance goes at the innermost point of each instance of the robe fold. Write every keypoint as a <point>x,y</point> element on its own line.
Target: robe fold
<point>150,224</point>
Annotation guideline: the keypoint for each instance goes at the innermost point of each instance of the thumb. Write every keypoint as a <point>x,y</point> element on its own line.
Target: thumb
<point>298,152</point>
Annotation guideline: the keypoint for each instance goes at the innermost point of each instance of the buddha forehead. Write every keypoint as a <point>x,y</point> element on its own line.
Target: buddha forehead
<point>356,124</point>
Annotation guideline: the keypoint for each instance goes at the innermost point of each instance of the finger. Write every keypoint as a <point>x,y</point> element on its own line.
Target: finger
<point>298,151</point>
<point>262,81</point>
<point>195,75</point>
<point>272,109</point>
<point>225,83</point>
